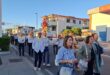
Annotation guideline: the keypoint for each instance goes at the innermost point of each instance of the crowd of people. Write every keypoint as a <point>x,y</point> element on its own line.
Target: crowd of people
<point>70,55</point>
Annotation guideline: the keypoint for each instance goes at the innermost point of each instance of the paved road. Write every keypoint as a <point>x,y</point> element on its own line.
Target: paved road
<point>106,58</point>
<point>52,70</point>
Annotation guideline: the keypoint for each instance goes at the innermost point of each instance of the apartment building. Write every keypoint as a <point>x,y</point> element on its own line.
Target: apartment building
<point>57,23</point>
<point>22,29</point>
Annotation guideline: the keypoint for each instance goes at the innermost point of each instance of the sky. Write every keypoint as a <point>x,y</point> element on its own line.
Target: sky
<point>23,11</point>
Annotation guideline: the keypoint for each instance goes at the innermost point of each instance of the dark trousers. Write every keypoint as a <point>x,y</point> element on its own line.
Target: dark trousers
<point>46,56</point>
<point>16,41</point>
<point>96,73</point>
<point>30,49</point>
<point>12,41</point>
<point>38,58</point>
<point>55,49</point>
<point>21,49</point>
<point>90,68</point>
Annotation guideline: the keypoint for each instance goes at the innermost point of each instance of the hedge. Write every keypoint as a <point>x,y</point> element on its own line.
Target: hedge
<point>4,43</point>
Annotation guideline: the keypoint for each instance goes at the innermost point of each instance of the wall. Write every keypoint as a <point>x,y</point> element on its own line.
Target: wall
<point>100,19</point>
<point>98,22</point>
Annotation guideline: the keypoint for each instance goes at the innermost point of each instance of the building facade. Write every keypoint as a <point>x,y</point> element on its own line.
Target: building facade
<point>100,21</point>
<point>57,23</point>
<point>20,29</point>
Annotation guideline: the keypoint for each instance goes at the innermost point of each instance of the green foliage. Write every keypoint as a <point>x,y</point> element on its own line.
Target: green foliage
<point>66,31</point>
<point>76,31</point>
<point>4,43</point>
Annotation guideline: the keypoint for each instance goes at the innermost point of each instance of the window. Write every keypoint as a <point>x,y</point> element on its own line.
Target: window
<point>68,20</point>
<point>53,28</point>
<point>79,22</point>
<point>85,27</point>
<point>74,21</point>
<point>53,20</point>
<point>68,27</point>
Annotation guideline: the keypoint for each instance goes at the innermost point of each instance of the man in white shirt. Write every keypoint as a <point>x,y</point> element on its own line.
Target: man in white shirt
<point>30,39</point>
<point>46,55</point>
<point>16,39</point>
<point>55,45</point>
<point>21,42</point>
<point>60,41</point>
<point>38,46</point>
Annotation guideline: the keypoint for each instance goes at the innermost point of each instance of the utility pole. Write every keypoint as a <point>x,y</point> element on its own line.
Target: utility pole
<point>36,20</point>
<point>0,18</point>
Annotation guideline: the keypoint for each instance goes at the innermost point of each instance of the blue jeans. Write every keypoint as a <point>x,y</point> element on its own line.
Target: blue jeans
<point>46,56</point>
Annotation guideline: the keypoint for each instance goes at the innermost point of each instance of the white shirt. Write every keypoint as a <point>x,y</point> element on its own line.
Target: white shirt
<point>21,39</point>
<point>38,45</point>
<point>55,41</point>
<point>60,42</point>
<point>46,41</point>
<point>30,39</point>
<point>15,37</point>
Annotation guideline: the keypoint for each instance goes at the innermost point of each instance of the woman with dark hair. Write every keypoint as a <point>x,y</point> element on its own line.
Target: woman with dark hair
<point>99,51</point>
<point>66,58</point>
<point>87,54</point>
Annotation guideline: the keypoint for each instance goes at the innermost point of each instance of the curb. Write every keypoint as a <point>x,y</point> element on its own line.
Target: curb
<point>7,52</point>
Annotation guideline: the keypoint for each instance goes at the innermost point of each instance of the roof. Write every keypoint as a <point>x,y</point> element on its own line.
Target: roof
<point>101,9</point>
<point>62,16</point>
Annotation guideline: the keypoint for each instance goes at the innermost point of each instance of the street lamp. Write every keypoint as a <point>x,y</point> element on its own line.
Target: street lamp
<point>0,18</point>
<point>36,20</point>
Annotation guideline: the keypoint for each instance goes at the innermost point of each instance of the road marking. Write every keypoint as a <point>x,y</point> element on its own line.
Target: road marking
<point>31,65</point>
<point>49,72</point>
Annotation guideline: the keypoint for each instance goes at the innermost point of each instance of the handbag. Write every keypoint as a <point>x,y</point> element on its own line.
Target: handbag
<point>83,64</point>
<point>99,48</point>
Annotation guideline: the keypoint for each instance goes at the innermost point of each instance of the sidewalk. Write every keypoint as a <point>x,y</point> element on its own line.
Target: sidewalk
<point>15,65</point>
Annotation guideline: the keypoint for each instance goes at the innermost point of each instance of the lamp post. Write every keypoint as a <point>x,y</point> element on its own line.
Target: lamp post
<point>36,20</point>
<point>0,18</point>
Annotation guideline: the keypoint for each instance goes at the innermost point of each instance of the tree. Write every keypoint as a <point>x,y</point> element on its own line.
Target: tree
<point>76,31</point>
<point>66,31</point>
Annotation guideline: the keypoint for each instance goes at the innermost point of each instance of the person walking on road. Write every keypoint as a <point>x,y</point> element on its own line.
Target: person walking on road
<point>38,46</point>
<point>55,45</point>
<point>98,52</point>
<point>87,53</point>
<point>21,43</point>
<point>66,58</point>
<point>46,55</point>
<point>30,39</point>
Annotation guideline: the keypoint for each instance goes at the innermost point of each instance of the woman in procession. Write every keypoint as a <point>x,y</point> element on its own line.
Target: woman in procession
<point>66,58</point>
<point>30,39</point>
<point>87,53</point>
<point>38,46</point>
<point>21,43</point>
<point>98,52</point>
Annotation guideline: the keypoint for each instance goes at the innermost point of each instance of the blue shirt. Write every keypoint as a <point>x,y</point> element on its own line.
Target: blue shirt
<point>64,54</point>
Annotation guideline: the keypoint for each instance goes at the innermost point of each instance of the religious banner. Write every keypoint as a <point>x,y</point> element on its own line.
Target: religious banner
<point>44,25</point>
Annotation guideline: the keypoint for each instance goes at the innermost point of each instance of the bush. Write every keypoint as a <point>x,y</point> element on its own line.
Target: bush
<point>4,43</point>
